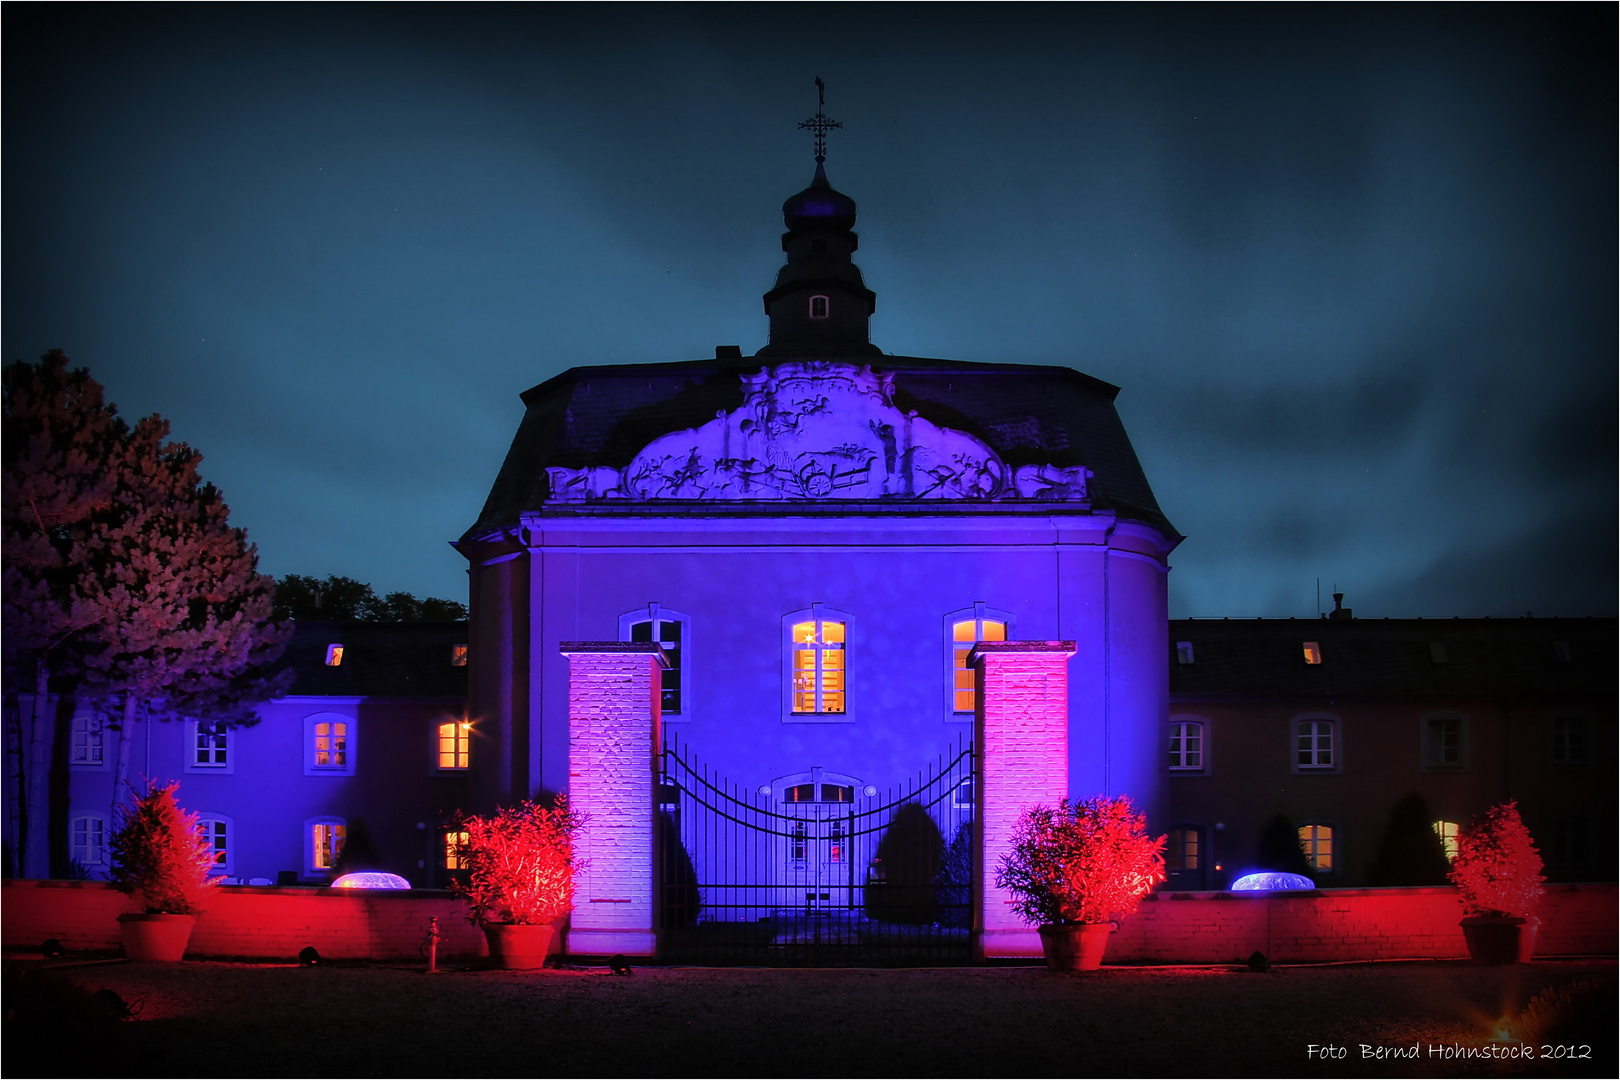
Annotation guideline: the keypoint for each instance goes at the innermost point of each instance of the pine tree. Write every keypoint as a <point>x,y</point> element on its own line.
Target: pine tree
<point>122,573</point>
<point>59,438</point>
<point>185,628</point>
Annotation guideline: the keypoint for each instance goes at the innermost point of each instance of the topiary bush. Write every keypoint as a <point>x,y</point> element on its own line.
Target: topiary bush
<point>1280,849</point>
<point>953,885</point>
<point>1498,869</point>
<point>159,857</point>
<point>1411,852</point>
<point>907,861</point>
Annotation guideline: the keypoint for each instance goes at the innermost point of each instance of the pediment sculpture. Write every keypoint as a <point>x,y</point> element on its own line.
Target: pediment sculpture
<point>818,430</point>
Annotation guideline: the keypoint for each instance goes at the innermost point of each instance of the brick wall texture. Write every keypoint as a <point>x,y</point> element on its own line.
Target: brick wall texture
<point>342,924</point>
<point>1187,928</point>
<point>613,714</point>
<point>1023,733</point>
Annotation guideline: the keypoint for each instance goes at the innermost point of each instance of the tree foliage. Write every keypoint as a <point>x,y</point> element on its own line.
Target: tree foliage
<point>1081,862</point>
<point>159,856</point>
<point>1498,869</point>
<point>121,559</point>
<point>1280,848</point>
<point>519,863</point>
<point>342,599</point>
<point>1411,852</point>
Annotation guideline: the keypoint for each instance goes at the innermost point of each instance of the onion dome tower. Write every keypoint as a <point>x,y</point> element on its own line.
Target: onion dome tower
<point>820,305</point>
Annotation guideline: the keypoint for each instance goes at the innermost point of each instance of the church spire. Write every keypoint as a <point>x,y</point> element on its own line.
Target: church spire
<point>820,303</point>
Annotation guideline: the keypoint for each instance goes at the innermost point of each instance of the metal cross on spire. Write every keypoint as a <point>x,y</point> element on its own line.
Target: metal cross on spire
<point>819,122</point>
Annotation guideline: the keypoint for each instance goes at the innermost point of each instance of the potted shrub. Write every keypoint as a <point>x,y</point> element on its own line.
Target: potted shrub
<point>161,860</point>
<point>1498,872</point>
<point>1074,868</point>
<point>519,878</point>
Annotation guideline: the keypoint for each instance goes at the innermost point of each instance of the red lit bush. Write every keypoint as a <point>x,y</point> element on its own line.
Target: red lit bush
<point>1497,868</point>
<point>1082,862</point>
<point>520,864</point>
<point>159,857</point>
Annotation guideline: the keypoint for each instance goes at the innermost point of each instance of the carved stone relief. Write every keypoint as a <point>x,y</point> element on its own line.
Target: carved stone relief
<point>818,430</point>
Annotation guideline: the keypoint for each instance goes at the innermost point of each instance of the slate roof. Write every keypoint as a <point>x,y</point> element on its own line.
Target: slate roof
<point>1028,414</point>
<point>379,659</point>
<point>1246,658</point>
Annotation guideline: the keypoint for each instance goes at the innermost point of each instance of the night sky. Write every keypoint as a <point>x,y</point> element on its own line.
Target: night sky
<point>1354,268</point>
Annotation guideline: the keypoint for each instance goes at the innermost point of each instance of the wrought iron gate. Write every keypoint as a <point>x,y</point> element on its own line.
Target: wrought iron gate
<point>816,873</point>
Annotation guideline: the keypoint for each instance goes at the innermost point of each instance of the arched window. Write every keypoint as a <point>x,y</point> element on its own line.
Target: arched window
<point>215,829</point>
<point>1447,832</point>
<point>455,840</point>
<point>817,663</point>
<point>1186,745</point>
<point>1445,741</point>
<point>87,840</point>
<point>330,744</point>
<point>819,307</point>
<point>1316,744</point>
<point>1317,841</point>
<point>965,629</point>
<point>455,744</point>
<point>672,631</point>
<point>323,843</point>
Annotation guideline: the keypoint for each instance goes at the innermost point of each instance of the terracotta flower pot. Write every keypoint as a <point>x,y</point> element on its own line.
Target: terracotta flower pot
<point>1075,946</point>
<point>156,937</point>
<point>518,946</point>
<point>1500,939</point>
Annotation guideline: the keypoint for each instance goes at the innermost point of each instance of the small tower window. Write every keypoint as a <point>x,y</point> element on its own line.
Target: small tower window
<point>818,307</point>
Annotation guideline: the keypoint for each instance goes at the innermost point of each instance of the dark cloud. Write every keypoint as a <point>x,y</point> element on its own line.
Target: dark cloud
<point>1353,266</point>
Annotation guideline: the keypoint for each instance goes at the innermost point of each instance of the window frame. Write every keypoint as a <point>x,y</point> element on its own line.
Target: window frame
<point>820,613</point>
<point>351,744</point>
<point>1336,744</point>
<point>1447,830</point>
<point>1335,840</point>
<point>464,741</point>
<point>1563,760</point>
<point>1430,753</point>
<point>228,867</point>
<point>682,662</point>
<point>311,868</point>
<point>1203,767</point>
<point>980,613</point>
<point>94,726</point>
<point>1204,872</point>
<point>193,733</point>
<point>826,307</point>
<point>101,862</point>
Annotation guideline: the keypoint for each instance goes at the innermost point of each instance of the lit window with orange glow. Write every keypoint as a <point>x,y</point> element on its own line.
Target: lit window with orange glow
<point>334,654</point>
<point>455,740</point>
<point>458,656</point>
<point>1317,842</point>
<point>331,745</point>
<point>327,840</point>
<point>1447,832</point>
<point>455,842</point>
<point>1313,653</point>
<point>818,666</point>
<point>965,635</point>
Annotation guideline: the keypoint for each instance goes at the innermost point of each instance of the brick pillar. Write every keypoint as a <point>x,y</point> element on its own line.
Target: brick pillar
<point>1021,735</point>
<point>613,746</point>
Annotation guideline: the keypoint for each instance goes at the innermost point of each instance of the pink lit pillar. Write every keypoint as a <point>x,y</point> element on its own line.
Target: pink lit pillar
<point>1021,734</point>
<point>613,746</point>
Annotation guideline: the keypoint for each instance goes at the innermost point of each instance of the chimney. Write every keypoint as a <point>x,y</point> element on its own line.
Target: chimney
<point>1339,610</point>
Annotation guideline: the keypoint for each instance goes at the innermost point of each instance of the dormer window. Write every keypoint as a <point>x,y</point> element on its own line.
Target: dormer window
<point>818,307</point>
<point>334,654</point>
<point>458,656</point>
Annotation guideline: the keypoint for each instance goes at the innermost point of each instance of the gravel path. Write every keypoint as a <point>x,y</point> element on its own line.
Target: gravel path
<point>217,1019</point>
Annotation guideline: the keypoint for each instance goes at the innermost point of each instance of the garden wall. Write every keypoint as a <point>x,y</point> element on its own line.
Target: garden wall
<point>1196,928</point>
<point>243,920</point>
<point>1344,924</point>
